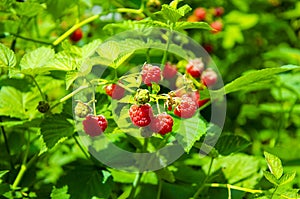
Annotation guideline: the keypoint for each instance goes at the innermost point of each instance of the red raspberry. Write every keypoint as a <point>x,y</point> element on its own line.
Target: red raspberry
<point>141,115</point>
<point>77,35</point>
<point>218,11</point>
<point>195,67</point>
<point>217,26</point>
<point>162,123</point>
<point>115,91</point>
<point>200,13</point>
<point>209,77</point>
<point>94,125</point>
<point>169,71</point>
<point>208,48</point>
<point>187,107</point>
<point>198,100</point>
<point>151,74</point>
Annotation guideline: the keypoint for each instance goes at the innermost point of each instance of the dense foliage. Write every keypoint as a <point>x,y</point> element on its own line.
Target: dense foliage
<point>73,72</point>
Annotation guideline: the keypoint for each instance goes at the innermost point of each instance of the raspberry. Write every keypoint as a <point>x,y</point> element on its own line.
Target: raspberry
<point>187,107</point>
<point>77,35</point>
<point>209,77</point>
<point>150,74</point>
<point>169,71</point>
<point>162,123</point>
<point>195,67</point>
<point>94,125</point>
<point>198,100</point>
<point>115,91</point>
<point>82,109</point>
<point>200,13</point>
<point>208,47</point>
<point>218,11</point>
<point>141,115</point>
<point>217,26</point>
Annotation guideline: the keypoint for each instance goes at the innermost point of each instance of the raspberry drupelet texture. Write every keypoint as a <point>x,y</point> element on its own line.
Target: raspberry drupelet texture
<point>115,91</point>
<point>187,107</point>
<point>151,74</point>
<point>141,115</point>
<point>169,71</point>
<point>209,77</point>
<point>195,67</point>
<point>94,125</point>
<point>162,124</point>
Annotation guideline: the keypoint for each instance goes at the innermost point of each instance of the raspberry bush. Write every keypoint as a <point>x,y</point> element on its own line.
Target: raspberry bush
<point>117,99</point>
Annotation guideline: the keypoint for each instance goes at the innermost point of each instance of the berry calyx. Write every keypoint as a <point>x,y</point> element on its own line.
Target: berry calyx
<point>141,115</point>
<point>218,11</point>
<point>162,123</point>
<point>151,74</point>
<point>115,91</point>
<point>169,71</point>
<point>195,67</point>
<point>209,77</point>
<point>94,125</point>
<point>187,107</point>
<point>217,26</point>
<point>200,13</point>
<point>82,109</point>
<point>76,35</point>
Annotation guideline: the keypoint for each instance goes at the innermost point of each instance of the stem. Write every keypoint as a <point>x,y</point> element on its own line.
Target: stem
<point>159,188</point>
<point>234,187</point>
<point>81,148</point>
<point>164,59</point>
<point>6,145</point>
<point>205,180</point>
<point>274,192</point>
<point>30,39</point>
<point>39,88</point>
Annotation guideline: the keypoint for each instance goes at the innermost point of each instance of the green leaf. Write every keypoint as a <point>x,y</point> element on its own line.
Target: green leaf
<point>183,10</point>
<point>189,131</point>
<point>28,9</point>
<point>71,76</point>
<point>165,174</point>
<point>90,48</point>
<point>232,35</point>
<point>286,178</point>
<point>2,173</point>
<point>243,20</point>
<point>15,103</point>
<point>274,164</point>
<point>35,61</point>
<point>7,57</point>
<point>271,178</point>
<point>256,78</point>
<point>109,51</point>
<point>85,180</point>
<point>55,128</point>
<point>170,13</point>
<point>182,25</point>
<point>228,144</point>
<point>60,193</point>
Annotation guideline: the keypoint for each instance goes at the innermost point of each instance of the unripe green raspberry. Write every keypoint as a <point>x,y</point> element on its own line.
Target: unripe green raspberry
<point>82,109</point>
<point>142,96</point>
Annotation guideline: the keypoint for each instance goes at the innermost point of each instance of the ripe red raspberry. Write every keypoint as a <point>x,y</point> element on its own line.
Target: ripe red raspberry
<point>151,74</point>
<point>141,115</point>
<point>217,26</point>
<point>200,13</point>
<point>94,125</point>
<point>209,77</point>
<point>77,35</point>
<point>195,67</point>
<point>219,11</point>
<point>115,91</point>
<point>208,48</point>
<point>187,107</point>
<point>169,71</point>
<point>162,124</point>
<point>198,100</point>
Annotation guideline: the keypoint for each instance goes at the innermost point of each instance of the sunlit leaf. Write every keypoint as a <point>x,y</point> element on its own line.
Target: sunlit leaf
<point>274,164</point>
<point>7,57</point>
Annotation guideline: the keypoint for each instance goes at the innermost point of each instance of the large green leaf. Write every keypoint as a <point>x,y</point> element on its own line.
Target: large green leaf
<point>189,131</point>
<point>56,128</point>
<point>274,164</point>
<point>256,78</point>
<point>170,13</point>
<point>60,193</point>
<point>15,103</point>
<point>228,144</point>
<point>85,181</point>
<point>7,57</point>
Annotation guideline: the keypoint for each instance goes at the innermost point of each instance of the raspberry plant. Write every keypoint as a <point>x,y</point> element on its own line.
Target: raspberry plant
<point>69,90</point>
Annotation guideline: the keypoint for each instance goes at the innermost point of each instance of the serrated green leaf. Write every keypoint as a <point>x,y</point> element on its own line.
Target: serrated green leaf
<point>7,57</point>
<point>170,13</point>
<point>153,23</point>
<point>189,131</point>
<point>286,178</point>
<point>271,178</point>
<point>274,164</point>
<point>228,144</point>
<point>60,193</point>
<point>183,10</point>
<point>109,51</point>
<point>165,174</point>
<point>15,103</point>
<point>256,77</point>
<point>90,48</point>
<point>71,76</point>
<point>35,61</point>
<point>182,25</point>
<point>28,9</point>
<point>55,128</point>
<point>65,61</point>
